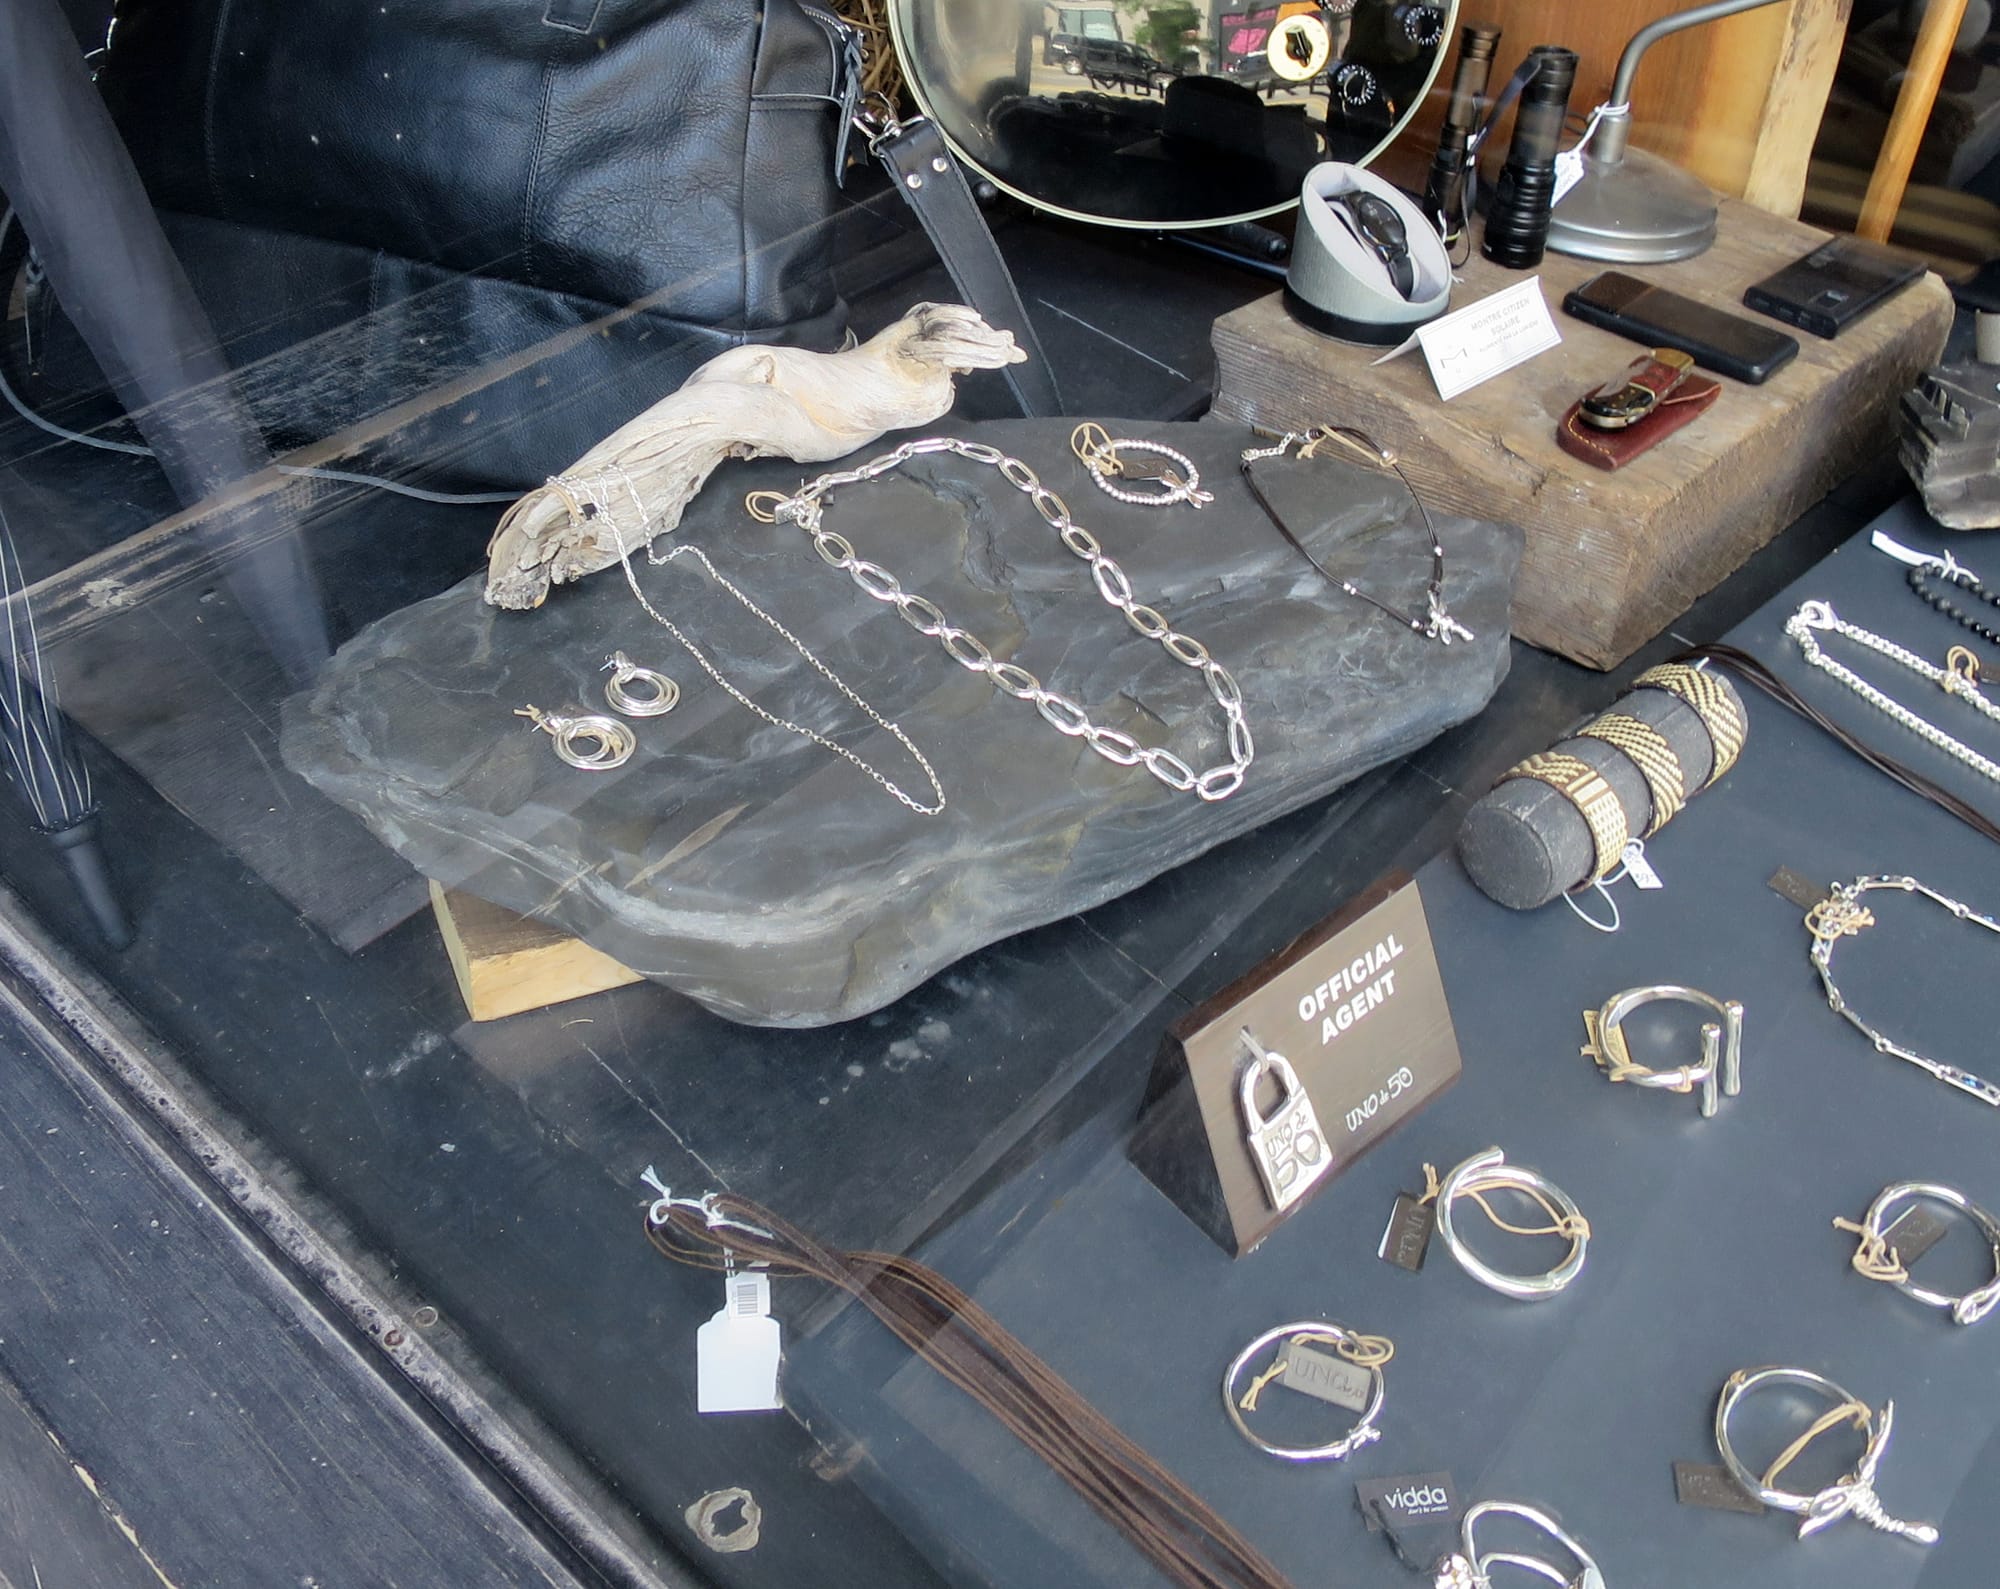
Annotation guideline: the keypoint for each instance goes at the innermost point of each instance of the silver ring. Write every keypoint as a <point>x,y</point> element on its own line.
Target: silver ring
<point>1974,1305</point>
<point>1850,1496</point>
<point>611,742</point>
<point>1483,1172</point>
<point>1721,1045</point>
<point>660,695</point>
<point>1470,1570</point>
<point>1362,1434</point>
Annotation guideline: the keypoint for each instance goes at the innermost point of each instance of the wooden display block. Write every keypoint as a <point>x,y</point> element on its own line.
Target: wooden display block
<point>1611,559</point>
<point>506,963</point>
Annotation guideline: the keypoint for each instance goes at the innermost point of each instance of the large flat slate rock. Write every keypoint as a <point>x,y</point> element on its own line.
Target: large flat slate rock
<point>775,883</point>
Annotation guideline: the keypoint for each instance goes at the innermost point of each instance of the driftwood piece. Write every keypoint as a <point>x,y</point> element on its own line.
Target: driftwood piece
<point>750,402</point>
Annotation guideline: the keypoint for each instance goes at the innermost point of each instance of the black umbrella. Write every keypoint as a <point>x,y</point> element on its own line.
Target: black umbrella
<point>40,752</point>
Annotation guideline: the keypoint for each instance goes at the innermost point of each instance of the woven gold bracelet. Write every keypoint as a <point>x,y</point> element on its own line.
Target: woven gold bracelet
<point>1584,787</point>
<point>1720,712</point>
<point>1647,749</point>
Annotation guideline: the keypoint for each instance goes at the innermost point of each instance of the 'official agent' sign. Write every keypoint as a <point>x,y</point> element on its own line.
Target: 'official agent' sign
<point>1358,1009</point>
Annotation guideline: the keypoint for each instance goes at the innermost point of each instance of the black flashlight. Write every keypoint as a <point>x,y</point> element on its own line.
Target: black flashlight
<point>1517,225</point>
<point>1444,195</point>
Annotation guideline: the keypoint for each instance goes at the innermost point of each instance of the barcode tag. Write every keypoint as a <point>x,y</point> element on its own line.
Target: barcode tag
<point>1408,1237</point>
<point>738,1351</point>
<point>1801,891</point>
<point>1708,1485</point>
<point>1638,868</point>
<point>1915,1233</point>
<point>1327,1377</point>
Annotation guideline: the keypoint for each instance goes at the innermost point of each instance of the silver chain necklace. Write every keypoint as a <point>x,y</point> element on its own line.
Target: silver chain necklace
<point>805,508</point>
<point>1959,677</point>
<point>1842,915</point>
<point>583,501</point>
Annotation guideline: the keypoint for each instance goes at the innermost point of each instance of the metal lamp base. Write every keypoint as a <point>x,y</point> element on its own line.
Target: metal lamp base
<point>1635,210</point>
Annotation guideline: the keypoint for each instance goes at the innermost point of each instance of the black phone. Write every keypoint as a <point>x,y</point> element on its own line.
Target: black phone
<point>1834,285</point>
<point>1720,341</point>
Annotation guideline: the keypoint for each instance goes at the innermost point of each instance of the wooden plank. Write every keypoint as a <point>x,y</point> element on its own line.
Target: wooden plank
<point>506,964</point>
<point>1701,99</point>
<point>1800,83</point>
<point>234,1432</point>
<point>1928,56</point>
<point>1611,559</point>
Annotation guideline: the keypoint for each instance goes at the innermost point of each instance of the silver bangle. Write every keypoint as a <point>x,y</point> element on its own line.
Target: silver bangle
<point>1363,1433</point>
<point>1721,1045</point>
<point>1468,1569</point>
<point>1485,1172</point>
<point>1877,1260</point>
<point>1851,1496</point>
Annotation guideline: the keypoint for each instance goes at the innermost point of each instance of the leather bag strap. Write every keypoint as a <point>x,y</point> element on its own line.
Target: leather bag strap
<point>934,187</point>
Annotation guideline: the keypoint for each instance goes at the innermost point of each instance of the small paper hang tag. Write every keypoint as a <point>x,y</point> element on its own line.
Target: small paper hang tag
<point>1569,163</point>
<point>1330,1378</point>
<point>738,1351</point>
<point>1569,172</point>
<point>1408,1236</point>
<point>1708,1485</point>
<point>1638,868</point>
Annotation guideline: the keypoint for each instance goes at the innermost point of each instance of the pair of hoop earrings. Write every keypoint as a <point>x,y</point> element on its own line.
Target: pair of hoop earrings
<point>1111,458</point>
<point>594,742</point>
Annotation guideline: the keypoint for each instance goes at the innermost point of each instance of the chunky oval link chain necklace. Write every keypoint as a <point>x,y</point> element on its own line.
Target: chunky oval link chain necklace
<point>1959,677</point>
<point>806,508</point>
<point>1842,915</point>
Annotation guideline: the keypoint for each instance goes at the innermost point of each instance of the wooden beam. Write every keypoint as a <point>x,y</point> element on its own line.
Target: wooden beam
<point>1814,33</point>
<point>1928,57</point>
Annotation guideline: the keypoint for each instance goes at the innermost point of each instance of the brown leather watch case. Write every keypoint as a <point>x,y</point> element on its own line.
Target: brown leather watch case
<point>1683,399</point>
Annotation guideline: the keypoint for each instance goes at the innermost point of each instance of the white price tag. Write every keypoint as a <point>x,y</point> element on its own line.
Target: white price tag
<point>1639,869</point>
<point>737,1352</point>
<point>1478,342</point>
<point>1569,172</point>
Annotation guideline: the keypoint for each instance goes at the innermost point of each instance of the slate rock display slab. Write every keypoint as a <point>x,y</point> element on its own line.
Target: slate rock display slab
<point>776,884</point>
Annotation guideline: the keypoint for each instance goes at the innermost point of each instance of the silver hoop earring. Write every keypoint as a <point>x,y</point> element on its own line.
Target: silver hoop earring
<point>1107,458</point>
<point>595,744</point>
<point>657,693</point>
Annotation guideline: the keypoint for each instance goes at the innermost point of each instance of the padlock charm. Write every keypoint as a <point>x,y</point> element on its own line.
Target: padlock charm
<point>1287,1143</point>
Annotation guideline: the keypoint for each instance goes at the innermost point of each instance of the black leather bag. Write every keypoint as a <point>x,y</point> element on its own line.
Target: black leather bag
<point>475,236</point>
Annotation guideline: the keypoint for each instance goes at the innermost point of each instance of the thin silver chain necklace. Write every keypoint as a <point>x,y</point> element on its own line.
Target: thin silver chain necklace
<point>806,508</point>
<point>1959,677</point>
<point>583,501</point>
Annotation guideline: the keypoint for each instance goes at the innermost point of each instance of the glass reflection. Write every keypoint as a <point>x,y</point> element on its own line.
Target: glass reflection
<point>1167,112</point>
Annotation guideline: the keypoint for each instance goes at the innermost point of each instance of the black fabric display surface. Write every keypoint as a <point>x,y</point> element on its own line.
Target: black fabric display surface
<point>1711,1247</point>
<point>752,870</point>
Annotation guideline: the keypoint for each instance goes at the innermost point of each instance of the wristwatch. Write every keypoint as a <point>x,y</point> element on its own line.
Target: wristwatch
<point>1374,222</point>
<point>1629,397</point>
